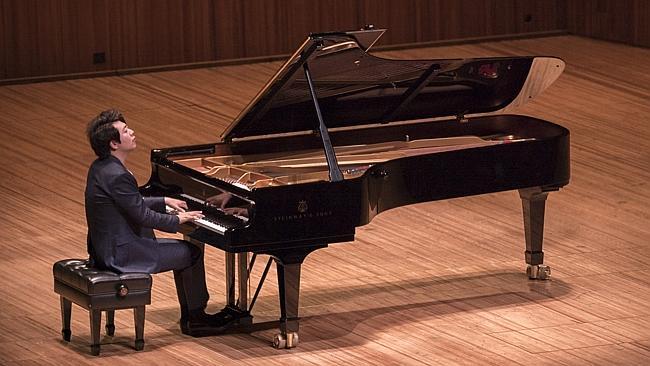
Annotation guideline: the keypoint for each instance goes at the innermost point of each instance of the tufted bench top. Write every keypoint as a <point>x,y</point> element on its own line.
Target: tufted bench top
<point>77,274</point>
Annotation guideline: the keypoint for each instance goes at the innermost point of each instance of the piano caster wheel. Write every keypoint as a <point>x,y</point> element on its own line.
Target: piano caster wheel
<point>288,341</point>
<point>538,272</point>
<point>279,341</point>
<point>292,339</point>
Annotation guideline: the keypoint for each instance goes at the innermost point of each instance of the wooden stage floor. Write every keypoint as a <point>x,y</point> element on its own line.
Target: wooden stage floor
<point>439,283</point>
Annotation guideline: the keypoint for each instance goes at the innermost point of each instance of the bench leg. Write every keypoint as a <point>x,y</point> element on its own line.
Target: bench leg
<point>66,311</point>
<point>138,317</point>
<point>110,322</point>
<point>95,324</point>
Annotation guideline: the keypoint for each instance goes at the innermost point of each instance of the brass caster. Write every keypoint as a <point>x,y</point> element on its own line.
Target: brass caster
<point>290,340</point>
<point>279,341</point>
<point>538,272</point>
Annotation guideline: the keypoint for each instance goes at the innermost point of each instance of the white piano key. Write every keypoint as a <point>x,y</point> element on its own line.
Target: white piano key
<point>210,225</point>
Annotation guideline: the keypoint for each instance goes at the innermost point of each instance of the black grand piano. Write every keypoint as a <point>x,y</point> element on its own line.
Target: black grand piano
<point>338,136</point>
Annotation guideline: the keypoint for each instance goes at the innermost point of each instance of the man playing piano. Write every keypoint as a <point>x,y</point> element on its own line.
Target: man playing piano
<point>121,222</point>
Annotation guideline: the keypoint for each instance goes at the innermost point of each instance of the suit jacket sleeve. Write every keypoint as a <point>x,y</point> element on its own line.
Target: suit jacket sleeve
<point>155,203</point>
<point>125,192</point>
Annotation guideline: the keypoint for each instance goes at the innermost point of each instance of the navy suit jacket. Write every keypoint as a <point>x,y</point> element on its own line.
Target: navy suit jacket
<point>120,220</point>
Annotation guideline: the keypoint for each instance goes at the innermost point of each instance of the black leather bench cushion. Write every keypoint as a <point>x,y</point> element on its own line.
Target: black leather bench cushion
<point>75,273</point>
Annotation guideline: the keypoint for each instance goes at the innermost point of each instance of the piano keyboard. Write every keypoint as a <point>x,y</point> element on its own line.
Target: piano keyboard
<point>215,219</point>
<point>197,204</point>
<point>204,222</point>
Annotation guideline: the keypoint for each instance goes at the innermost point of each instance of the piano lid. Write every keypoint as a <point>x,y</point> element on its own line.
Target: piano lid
<point>355,88</point>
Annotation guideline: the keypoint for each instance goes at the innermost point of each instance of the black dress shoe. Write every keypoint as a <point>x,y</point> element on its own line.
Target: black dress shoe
<point>198,324</point>
<point>196,329</point>
<point>202,324</point>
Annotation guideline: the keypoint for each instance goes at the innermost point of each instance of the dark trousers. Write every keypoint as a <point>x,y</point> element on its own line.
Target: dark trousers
<point>186,260</point>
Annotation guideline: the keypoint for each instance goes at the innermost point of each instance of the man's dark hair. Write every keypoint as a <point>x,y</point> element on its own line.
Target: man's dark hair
<point>101,132</point>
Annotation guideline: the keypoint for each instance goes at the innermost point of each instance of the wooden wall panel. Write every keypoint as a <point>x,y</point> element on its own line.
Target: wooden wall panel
<point>33,37</point>
<point>199,32</point>
<point>539,15</point>
<point>123,36</point>
<point>4,55</point>
<point>474,18</point>
<point>228,29</point>
<point>150,32</point>
<point>426,21</point>
<point>505,16</point>
<point>615,20</point>
<point>49,40</point>
<point>309,16</point>
<point>396,16</point>
<point>85,29</point>
<point>426,25</point>
<point>174,32</point>
<point>49,37</point>
<point>642,23</point>
<point>463,18</point>
<point>265,27</point>
<point>158,29</point>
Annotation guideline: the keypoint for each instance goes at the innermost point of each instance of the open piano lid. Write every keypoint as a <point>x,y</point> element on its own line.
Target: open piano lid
<point>355,88</point>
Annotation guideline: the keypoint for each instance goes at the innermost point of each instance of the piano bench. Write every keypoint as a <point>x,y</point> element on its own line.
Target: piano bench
<point>99,290</point>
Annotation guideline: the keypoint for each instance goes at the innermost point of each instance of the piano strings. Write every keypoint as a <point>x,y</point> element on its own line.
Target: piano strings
<point>263,170</point>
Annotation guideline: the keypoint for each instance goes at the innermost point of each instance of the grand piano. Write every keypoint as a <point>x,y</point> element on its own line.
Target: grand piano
<point>338,136</point>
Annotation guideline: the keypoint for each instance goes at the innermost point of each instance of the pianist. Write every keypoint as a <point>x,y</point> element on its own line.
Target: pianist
<point>121,222</point>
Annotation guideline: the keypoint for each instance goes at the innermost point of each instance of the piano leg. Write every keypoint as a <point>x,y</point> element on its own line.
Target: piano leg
<point>533,202</point>
<point>236,316</point>
<point>288,263</point>
<point>289,291</point>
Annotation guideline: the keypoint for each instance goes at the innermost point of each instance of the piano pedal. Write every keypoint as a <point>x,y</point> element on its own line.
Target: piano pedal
<point>290,340</point>
<point>538,272</point>
<point>233,316</point>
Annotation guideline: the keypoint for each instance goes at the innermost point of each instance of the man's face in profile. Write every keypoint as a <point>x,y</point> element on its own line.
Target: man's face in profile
<point>127,138</point>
